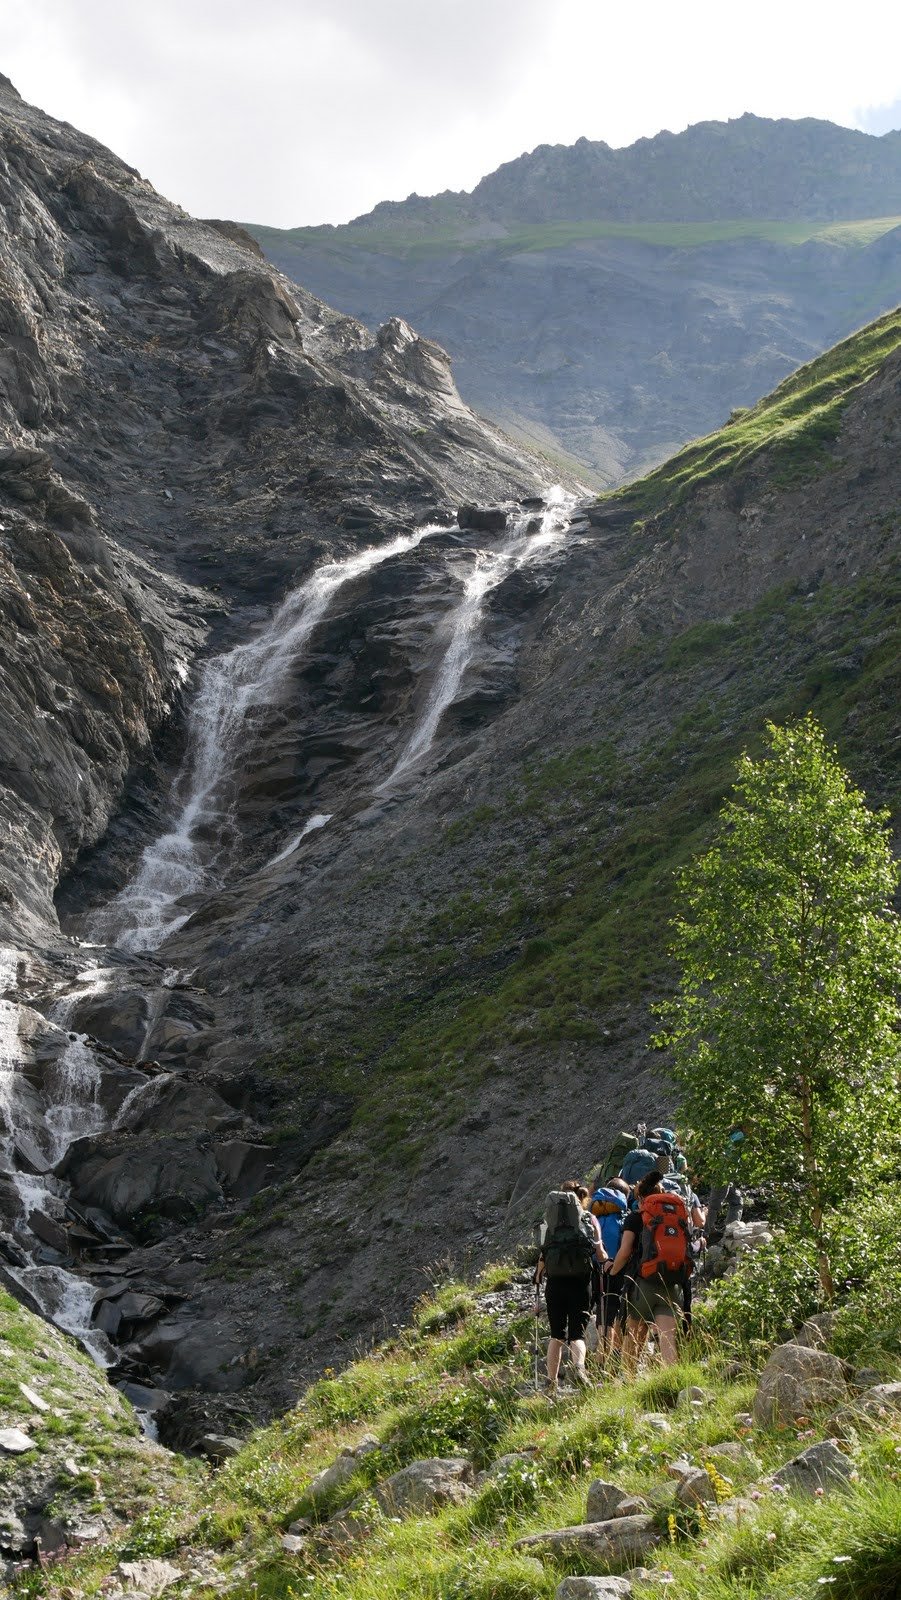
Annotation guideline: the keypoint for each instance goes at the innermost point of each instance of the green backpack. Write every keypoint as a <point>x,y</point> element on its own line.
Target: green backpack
<point>622,1144</point>
<point>569,1238</point>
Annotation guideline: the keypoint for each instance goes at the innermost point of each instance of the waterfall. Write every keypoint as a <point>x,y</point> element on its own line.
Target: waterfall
<point>233,686</point>
<point>526,545</point>
<point>65,1110</point>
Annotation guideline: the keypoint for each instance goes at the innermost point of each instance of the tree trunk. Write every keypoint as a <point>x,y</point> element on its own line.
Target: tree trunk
<point>813,1190</point>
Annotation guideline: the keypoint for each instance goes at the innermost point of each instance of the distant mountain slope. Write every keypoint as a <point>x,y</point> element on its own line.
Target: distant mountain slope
<point>607,305</point>
<point>747,167</point>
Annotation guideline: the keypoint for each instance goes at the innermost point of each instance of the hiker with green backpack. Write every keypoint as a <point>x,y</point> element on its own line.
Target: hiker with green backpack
<point>571,1245</point>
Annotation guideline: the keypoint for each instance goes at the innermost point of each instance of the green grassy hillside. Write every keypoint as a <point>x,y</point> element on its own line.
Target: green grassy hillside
<point>459,1381</point>
<point>410,241</point>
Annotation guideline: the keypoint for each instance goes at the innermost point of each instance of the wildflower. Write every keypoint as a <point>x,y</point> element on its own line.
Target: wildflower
<point>755,1495</point>
<point>819,1493</point>
<point>839,1560</point>
<point>779,1488</point>
<point>771,1537</point>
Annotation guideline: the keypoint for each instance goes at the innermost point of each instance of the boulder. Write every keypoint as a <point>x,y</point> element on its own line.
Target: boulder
<point>656,1421</point>
<point>608,1500</point>
<point>482,519</point>
<point>171,1175</point>
<point>729,1450</point>
<point>501,1466</point>
<point>594,1589</point>
<point>426,1486</point>
<point>816,1332</point>
<point>244,1168</point>
<point>821,1467</point>
<point>346,1527</point>
<point>219,1446</point>
<point>696,1489</point>
<point>693,1396</point>
<point>796,1381</point>
<point>148,1577</point>
<point>619,1539</point>
<point>875,1403</point>
<point>331,1478</point>
<point>13,1442</point>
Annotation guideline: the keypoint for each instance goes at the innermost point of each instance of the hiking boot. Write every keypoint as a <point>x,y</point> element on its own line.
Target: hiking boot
<point>550,1389</point>
<point>581,1378</point>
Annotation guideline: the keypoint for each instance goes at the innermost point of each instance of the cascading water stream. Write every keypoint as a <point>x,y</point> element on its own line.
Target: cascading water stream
<point>526,545</point>
<point>42,1113</point>
<point>66,1108</point>
<point>233,686</point>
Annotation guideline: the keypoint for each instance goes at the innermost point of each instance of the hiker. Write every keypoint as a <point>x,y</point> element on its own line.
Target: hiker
<point>571,1245</point>
<point>609,1205</point>
<point>656,1251</point>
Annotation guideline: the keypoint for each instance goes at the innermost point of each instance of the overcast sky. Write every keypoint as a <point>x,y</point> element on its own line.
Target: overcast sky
<point>305,111</point>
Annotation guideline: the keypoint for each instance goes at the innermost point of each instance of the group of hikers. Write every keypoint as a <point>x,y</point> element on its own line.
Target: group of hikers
<point>626,1252</point>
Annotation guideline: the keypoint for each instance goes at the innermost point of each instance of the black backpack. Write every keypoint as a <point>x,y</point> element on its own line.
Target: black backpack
<point>569,1240</point>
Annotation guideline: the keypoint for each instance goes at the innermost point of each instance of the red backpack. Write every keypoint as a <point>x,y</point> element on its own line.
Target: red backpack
<point>665,1238</point>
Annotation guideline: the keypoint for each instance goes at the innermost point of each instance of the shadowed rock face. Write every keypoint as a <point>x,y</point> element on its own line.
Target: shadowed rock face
<point>185,434</point>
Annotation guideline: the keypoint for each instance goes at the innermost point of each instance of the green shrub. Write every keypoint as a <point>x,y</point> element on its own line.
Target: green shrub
<point>466,1418</point>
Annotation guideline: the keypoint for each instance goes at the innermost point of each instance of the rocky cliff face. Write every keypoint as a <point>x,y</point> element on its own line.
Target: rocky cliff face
<point>408,978</point>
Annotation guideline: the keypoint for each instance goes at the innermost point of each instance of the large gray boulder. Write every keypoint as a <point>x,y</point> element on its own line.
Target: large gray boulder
<point>625,1539</point>
<point>171,1176</point>
<point>594,1589</point>
<point>605,1501</point>
<point>817,1331</point>
<point>821,1467</point>
<point>426,1486</point>
<point>797,1381</point>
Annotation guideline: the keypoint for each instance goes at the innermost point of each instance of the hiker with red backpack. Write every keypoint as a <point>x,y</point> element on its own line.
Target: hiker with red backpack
<point>655,1259</point>
<point>571,1245</point>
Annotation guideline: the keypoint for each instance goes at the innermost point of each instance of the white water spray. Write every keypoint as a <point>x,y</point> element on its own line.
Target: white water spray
<point>491,567</point>
<point>233,687</point>
<point>66,1109</point>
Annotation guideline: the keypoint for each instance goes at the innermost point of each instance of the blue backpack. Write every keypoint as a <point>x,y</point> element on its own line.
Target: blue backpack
<point>637,1165</point>
<point>609,1206</point>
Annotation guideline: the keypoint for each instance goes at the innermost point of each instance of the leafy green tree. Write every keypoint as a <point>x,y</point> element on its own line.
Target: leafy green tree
<point>785,1023</point>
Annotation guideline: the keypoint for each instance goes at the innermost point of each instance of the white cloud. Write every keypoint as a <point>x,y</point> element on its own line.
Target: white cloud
<point>292,111</point>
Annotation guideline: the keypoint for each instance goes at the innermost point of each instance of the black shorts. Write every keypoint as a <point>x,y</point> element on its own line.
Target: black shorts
<point>568,1306</point>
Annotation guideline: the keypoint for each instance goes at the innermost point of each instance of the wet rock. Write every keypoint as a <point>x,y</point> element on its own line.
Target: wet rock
<point>143,1397</point>
<point>822,1466</point>
<point>796,1381</point>
<point>50,1231</point>
<point>13,1442</point>
<point>171,1176</point>
<point>426,1486</point>
<point>482,519</point>
<point>621,1539</point>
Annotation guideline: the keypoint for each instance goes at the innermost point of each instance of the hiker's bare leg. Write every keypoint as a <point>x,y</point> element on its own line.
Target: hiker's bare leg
<point>554,1354</point>
<point>666,1332</point>
<point>634,1343</point>
<point>577,1352</point>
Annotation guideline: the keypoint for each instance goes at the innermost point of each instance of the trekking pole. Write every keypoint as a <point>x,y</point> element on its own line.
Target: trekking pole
<point>536,1314</point>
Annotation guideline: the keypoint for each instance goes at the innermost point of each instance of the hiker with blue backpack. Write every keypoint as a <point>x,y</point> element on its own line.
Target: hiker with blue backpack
<point>571,1246</point>
<point>610,1204</point>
